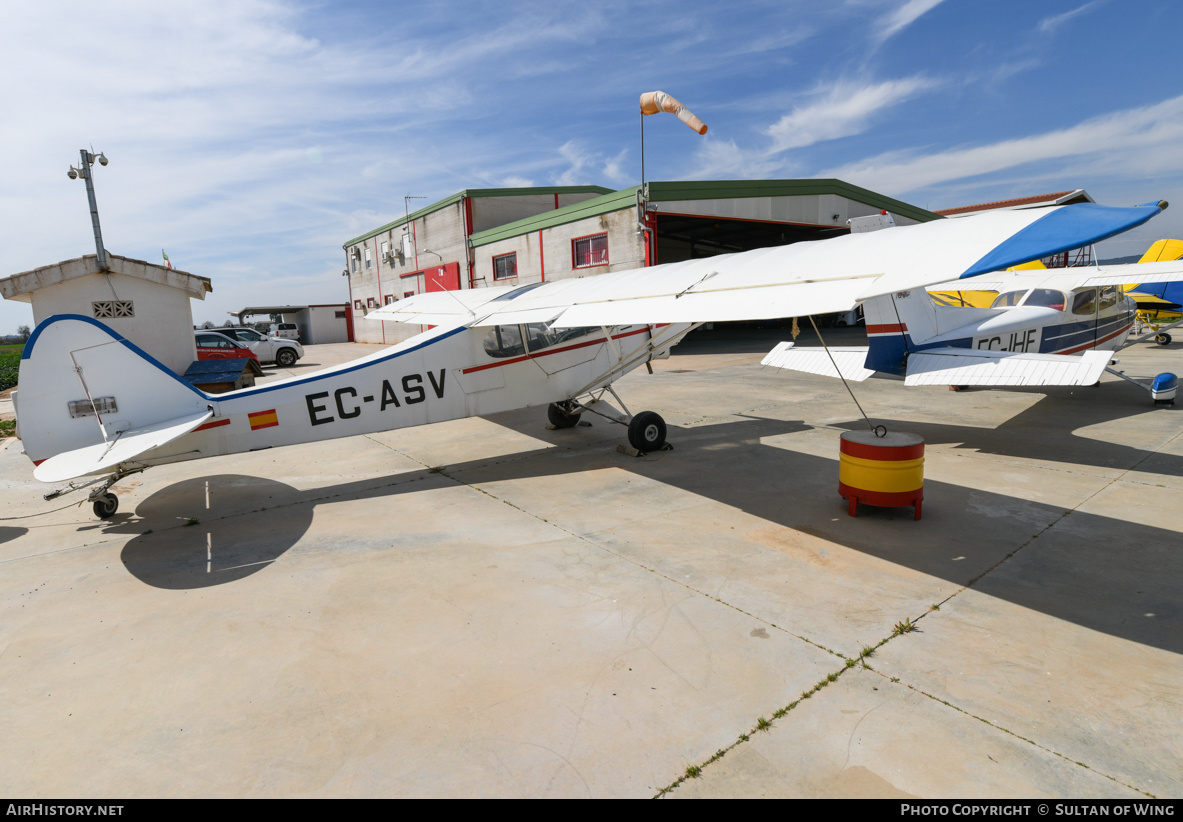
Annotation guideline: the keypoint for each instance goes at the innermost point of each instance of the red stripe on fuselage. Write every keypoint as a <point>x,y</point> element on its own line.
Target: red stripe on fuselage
<point>1087,346</point>
<point>898,328</point>
<point>214,424</point>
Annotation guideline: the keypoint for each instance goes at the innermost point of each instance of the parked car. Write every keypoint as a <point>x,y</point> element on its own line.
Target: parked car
<point>287,331</point>
<point>283,352</point>
<point>212,346</point>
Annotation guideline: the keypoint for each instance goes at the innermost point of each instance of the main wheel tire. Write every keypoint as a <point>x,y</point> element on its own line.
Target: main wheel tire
<point>560,417</point>
<point>1162,338</point>
<point>286,358</point>
<point>646,432</point>
<point>106,506</point>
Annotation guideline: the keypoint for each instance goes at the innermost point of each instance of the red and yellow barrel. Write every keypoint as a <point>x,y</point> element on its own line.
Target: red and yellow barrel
<point>887,471</point>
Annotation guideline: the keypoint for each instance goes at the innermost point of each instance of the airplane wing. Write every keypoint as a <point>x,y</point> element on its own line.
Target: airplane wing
<point>964,366</point>
<point>793,280</point>
<point>1141,273</point>
<point>440,307</point>
<point>817,361</point>
<point>121,447</point>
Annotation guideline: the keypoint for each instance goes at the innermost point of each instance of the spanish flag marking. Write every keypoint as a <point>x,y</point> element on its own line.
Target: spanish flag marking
<point>263,419</point>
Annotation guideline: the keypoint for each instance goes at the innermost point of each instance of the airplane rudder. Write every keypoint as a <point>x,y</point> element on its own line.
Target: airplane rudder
<point>72,365</point>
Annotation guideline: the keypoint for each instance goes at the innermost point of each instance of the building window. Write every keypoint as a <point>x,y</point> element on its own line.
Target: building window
<point>357,304</point>
<point>389,299</point>
<point>408,293</point>
<point>353,263</point>
<point>505,266</point>
<point>369,262</point>
<point>371,302</point>
<point>588,251</point>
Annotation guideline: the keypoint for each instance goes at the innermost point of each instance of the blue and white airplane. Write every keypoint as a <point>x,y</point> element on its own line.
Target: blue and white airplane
<point>93,407</point>
<point>1044,327</point>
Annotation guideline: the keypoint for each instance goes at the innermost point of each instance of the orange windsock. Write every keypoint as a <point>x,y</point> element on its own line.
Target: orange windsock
<point>655,101</point>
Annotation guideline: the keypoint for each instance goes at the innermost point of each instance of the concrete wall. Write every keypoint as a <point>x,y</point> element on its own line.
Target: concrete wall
<point>444,232</point>
<point>163,321</point>
<point>441,231</point>
<point>548,255</point>
<point>324,326</point>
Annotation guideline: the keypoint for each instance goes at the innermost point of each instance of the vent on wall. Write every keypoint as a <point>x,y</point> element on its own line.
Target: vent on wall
<point>107,309</point>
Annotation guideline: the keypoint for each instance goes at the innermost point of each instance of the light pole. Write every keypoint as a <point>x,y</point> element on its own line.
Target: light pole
<point>87,161</point>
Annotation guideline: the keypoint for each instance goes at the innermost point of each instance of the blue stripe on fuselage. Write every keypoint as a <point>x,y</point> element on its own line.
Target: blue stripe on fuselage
<point>885,352</point>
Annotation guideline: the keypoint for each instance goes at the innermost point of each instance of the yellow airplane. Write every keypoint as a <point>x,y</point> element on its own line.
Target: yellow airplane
<point>1159,304</point>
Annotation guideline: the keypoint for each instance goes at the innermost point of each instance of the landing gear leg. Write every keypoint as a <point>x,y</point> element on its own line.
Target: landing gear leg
<point>103,502</point>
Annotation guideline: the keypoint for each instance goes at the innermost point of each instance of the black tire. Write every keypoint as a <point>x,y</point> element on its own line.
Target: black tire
<point>106,506</point>
<point>559,417</point>
<point>286,358</point>
<point>1162,338</point>
<point>646,432</point>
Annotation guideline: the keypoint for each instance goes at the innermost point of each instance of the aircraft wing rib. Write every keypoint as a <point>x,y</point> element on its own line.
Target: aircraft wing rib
<point>817,361</point>
<point>961,366</point>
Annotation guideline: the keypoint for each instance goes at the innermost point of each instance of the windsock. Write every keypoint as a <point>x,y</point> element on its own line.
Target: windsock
<point>655,101</point>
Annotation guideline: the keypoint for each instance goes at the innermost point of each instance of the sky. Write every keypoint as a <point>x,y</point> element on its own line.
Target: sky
<point>250,139</point>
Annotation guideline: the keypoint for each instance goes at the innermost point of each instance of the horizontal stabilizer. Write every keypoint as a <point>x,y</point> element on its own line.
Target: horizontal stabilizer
<point>121,448</point>
<point>817,361</point>
<point>963,366</point>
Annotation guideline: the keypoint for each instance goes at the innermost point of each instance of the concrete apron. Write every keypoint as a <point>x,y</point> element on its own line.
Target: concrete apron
<point>488,608</point>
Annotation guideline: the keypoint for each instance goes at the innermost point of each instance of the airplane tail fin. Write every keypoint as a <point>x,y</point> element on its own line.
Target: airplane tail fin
<point>83,386</point>
<point>895,324</point>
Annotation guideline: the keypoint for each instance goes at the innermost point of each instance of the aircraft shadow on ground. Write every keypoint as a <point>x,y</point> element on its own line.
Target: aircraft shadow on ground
<point>1047,431</point>
<point>8,533</point>
<point>1109,575</point>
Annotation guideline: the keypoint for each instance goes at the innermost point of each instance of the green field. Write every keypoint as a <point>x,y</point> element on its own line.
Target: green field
<point>10,363</point>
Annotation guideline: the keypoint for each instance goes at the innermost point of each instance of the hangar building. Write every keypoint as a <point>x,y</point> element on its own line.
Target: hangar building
<point>583,231</point>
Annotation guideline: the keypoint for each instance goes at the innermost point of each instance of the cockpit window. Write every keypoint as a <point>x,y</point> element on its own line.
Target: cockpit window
<point>1046,298</point>
<point>1084,302</point>
<point>540,336</point>
<point>1108,297</point>
<point>1008,299</point>
<point>504,341</point>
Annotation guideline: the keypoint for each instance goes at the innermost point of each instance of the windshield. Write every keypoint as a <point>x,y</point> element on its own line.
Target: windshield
<point>1008,299</point>
<point>1046,298</point>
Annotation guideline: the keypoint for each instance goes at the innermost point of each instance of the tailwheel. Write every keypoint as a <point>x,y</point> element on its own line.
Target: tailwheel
<point>1162,338</point>
<point>559,415</point>
<point>646,431</point>
<point>106,506</point>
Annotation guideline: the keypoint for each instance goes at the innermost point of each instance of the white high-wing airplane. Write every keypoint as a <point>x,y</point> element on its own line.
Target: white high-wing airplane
<point>92,405</point>
<point>1045,327</point>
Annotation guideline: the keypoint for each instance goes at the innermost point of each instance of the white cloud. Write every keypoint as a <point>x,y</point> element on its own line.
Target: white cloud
<point>904,16</point>
<point>845,109</point>
<point>718,159</point>
<point>1144,140</point>
<point>1050,24</point>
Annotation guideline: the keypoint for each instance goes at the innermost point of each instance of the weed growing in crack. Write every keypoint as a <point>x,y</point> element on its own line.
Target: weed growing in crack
<point>905,626</point>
